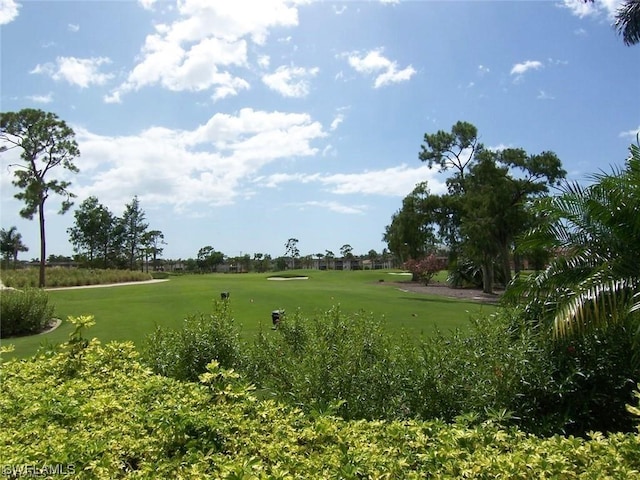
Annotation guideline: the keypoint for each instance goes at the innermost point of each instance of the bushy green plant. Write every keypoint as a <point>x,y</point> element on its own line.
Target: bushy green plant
<point>71,277</point>
<point>184,353</point>
<point>464,273</point>
<point>332,359</point>
<point>24,312</point>
<point>500,367</point>
<point>590,380</point>
<point>110,417</point>
<point>478,371</point>
<point>503,364</point>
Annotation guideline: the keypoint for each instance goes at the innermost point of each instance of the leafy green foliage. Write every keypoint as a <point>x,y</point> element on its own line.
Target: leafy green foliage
<point>591,379</point>
<point>93,234</point>
<point>209,259</point>
<point>331,358</point>
<point>185,353</point>
<point>484,208</point>
<point>11,244</point>
<point>545,387</point>
<point>593,280</point>
<point>112,418</point>
<point>71,277</point>
<point>133,227</point>
<point>499,365</point>
<point>46,143</point>
<point>24,312</point>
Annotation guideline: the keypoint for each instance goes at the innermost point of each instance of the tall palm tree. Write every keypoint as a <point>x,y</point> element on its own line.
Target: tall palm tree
<point>11,244</point>
<point>594,231</point>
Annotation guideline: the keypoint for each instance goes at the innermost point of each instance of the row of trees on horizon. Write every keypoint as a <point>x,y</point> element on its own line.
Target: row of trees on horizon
<point>102,240</point>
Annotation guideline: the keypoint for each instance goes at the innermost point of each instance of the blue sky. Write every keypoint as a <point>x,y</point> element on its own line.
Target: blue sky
<point>242,124</point>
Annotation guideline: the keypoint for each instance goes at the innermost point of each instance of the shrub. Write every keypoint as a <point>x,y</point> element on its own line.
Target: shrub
<point>464,273</point>
<point>332,359</point>
<point>24,312</point>
<point>184,353</point>
<point>112,418</point>
<point>502,364</point>
<point>425,268</point>
<point>590,380</point>
<point>70,277</point>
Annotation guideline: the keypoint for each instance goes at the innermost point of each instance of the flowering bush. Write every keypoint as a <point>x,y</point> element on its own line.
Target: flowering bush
<point>425,268</point>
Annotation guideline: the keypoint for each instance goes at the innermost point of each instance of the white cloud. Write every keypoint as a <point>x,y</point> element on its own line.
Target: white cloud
<point>290,81</point>
<point>73,27</point>
<point>264,61</point>
<point>390,182</point>
<point>375,63</point>
<point>483,70</point>
<point>329,150</point>
<point>82,72</point>
<point>394,76</point>
<point>631,133</point>
<point>370,63</point>
<point>212,164</point>
<point>394,181</point>
<point>147,4</point>
<point>336,121</point>
<point>339,11</point>
<point>390,2</point>
<point>335,207</point>
<point>230,87</point>
<point>521,68</point>
<point>499,147</point>
<point>542,95</point>
<point>48,98</point>
<point>555,61</point>
<point>8,11</point>
<point>582,9</point>
<point>196,51</point>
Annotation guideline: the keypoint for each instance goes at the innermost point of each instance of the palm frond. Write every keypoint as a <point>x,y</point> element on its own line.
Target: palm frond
<point>594,233</point>
<point>628,22</point>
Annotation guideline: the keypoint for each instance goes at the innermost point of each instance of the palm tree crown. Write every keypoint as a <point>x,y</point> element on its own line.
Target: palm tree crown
<point>594,231</point>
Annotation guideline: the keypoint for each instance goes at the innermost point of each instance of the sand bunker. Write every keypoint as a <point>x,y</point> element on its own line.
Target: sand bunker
<point>287,278</point>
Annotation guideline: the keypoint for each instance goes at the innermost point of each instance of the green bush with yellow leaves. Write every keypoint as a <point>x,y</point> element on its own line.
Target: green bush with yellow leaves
<point>88,410</point>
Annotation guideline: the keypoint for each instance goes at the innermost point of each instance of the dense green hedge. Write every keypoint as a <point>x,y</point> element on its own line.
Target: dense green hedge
<point>500,366</point>
<point>97,412</point>
<point>71,277</point>
<point>24,312</point>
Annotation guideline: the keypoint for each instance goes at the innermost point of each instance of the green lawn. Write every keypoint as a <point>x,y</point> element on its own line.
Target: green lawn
<point>131,312</point>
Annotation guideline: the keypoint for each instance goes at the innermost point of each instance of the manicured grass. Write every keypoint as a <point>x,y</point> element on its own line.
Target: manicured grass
<point>131,312</point>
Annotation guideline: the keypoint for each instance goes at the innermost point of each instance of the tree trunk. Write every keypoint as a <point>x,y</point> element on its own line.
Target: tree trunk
<point>506,265</point>
<point>487,275</point>
<point>517,262</point>
<point>43,245</point>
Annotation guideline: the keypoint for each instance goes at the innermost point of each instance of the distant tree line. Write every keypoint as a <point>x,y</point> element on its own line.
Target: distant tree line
<point>211,260</point>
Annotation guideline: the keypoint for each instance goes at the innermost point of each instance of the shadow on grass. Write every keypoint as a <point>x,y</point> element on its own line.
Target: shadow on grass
<point>440,300</point>
<point>473,301</point>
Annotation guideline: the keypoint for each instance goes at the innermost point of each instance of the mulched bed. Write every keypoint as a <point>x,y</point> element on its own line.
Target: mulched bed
<point>442,289</point>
